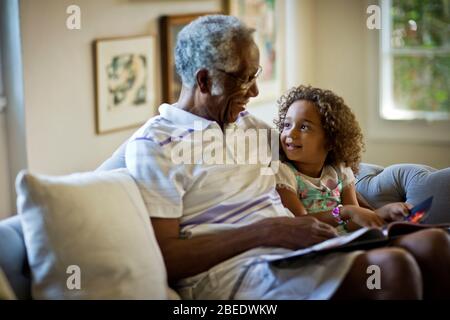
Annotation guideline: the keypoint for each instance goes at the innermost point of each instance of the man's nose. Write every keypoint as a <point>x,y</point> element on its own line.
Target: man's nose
<point>253,91</point>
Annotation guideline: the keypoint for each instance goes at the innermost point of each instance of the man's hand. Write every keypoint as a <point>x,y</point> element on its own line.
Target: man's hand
<point>295,233</point>
<point>394,211</point>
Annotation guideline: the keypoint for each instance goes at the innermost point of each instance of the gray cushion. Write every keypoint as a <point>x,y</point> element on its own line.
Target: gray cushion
<point>407,182</point>
<point>13,258</point>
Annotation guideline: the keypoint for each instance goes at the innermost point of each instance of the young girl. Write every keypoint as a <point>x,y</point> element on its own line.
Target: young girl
<point>321,146</point>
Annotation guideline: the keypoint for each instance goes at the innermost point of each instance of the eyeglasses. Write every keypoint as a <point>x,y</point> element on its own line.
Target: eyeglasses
<point>244,84</point>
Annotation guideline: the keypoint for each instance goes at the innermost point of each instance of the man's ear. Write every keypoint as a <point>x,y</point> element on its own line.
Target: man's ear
<point>203,82</point>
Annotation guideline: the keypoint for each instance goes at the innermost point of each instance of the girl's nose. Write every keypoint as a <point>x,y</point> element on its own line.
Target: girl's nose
<point>293,133</point>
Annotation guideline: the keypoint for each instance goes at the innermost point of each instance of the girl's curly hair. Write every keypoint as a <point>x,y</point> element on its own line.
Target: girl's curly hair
<point>343,134</point>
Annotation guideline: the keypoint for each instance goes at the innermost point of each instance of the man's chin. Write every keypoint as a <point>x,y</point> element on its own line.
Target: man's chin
<point>239,110</point>
<point>234,115</point>
<point>234,110</point>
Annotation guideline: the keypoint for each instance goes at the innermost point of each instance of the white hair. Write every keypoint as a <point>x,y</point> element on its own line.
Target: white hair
<point>210,42</point>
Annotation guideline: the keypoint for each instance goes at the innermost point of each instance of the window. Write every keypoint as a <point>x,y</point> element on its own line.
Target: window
<point>415,59</point>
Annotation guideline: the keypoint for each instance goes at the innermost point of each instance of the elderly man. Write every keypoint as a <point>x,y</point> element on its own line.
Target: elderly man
<point>214,221</point>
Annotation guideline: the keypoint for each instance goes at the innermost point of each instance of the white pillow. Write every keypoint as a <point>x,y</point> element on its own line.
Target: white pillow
<point>94,221</point>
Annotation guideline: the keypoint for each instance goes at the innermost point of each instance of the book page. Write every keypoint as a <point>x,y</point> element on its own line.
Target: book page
<point>363,234</point>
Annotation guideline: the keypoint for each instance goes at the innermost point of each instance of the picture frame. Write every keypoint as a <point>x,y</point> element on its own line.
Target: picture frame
<point>169,27</point>
<point>124,82</point>
<point>262,15</point>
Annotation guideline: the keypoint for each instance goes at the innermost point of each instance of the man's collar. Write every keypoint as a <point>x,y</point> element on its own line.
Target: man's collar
<point>182,118</point>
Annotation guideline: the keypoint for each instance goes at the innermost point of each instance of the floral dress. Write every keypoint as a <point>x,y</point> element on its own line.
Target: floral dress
<point>317,194</point>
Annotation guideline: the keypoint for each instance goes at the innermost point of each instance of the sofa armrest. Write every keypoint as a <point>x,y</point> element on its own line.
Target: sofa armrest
<point>13,257</point>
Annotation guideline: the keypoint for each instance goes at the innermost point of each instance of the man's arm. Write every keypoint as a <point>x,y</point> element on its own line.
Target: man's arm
<point>188,257</point>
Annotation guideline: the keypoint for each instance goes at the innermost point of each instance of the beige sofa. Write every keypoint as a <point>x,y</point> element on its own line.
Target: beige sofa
<point>403,182</point>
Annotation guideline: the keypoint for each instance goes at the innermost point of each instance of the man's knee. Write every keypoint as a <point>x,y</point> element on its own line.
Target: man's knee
<point>399,272</point>
<point>426,243</point>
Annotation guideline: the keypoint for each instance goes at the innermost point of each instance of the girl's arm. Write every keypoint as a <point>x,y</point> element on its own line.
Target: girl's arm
<point>291,201</point>
<point>390,212</point>
<point>357,215</point>
<point>363,202</point>
<point>348,196</point>
<point>351,211</point>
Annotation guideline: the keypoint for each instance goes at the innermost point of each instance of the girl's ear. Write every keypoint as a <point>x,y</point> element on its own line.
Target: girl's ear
<point>202,79</point>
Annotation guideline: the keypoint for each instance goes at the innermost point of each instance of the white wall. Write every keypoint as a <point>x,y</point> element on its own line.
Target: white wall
<point>342,63</point>
<point>59,75</point>
<point>59,78</point>
<point>295,52</point>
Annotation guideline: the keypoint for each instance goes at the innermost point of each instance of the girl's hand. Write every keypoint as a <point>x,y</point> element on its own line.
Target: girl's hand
<point>394,211</point>
<point>361,216</point>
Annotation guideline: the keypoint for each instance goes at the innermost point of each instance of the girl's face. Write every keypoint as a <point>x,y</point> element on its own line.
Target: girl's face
<point>303,137</point>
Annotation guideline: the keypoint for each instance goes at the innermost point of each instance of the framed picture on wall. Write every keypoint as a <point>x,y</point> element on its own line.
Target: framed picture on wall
<point>170,26</point>
<point>262,16</point>
<point>125,82</point>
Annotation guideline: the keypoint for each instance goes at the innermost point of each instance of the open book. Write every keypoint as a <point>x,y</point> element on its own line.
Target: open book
<point>361,239</point>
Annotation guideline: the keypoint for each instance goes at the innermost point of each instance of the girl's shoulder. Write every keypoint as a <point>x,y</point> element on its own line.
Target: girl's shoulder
<point>344,173</point>
<point>286,166</point>
<point>285,176</point>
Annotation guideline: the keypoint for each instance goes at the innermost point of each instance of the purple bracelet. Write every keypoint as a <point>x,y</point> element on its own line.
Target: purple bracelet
<point>336,212</point>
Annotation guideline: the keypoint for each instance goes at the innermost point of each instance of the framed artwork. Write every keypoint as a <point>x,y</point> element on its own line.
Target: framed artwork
<point>262,15</point>
<point>170,26</point>
<point>125,82</point>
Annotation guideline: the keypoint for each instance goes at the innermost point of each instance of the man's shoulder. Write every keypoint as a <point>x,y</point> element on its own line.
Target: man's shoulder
<point>158,130</point>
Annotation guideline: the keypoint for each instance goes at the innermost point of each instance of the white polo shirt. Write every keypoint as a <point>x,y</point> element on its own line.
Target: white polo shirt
<point>176,160</point>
